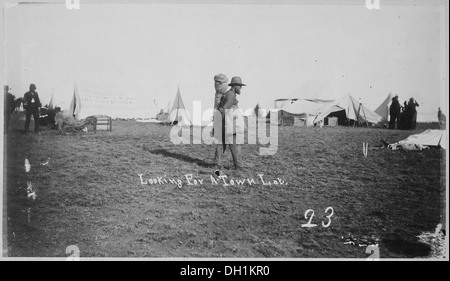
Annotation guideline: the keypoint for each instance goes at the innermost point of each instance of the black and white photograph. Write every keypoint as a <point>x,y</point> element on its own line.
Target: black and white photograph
<point>225,130</point>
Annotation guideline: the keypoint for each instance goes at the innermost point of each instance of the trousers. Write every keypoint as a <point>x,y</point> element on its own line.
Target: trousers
<point>35,113</point>
<point>392,122</point>
<point>235,153</point>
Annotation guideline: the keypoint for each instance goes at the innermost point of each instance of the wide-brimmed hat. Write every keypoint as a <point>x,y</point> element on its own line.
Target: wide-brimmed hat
<point>236,81</point>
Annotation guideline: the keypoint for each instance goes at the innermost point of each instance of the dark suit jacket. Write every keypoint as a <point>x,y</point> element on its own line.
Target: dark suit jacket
<point>28,97</point>
<point>395,108</point>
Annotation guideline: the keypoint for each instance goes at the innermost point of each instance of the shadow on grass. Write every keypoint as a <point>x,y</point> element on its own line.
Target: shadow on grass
<point>407,248</point>
<point>178,156</point>
<point>405,243</point>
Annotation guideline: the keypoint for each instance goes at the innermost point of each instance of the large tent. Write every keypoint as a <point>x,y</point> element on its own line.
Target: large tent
<point>353,109</point>
<point>345,108</point>
<point>302,109</point>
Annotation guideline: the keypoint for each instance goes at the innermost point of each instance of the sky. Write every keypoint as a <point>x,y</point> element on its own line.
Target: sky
<point>150,50</point>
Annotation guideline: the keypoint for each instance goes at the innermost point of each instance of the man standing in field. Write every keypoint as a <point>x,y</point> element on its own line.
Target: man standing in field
<point>230,102</point>
<point>221,86</point>
<point>32,104</point>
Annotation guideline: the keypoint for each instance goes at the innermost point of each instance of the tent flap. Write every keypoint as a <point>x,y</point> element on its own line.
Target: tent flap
<point>383,108</point>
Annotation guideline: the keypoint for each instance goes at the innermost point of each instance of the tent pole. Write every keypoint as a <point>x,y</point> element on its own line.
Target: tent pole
<point>357,115</point>
<point>365,118</point>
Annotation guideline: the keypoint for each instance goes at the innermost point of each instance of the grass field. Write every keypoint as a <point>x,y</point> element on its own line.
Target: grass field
<point>91,195</point>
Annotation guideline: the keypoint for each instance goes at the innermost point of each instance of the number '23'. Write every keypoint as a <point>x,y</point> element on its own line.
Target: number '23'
<point>309,224</point>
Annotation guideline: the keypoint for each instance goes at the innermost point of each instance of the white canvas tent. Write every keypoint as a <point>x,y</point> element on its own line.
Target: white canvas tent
<point>304,107</point>
<point>178,114</point>
<point>75,104</point>
<point>321,108</point>
<point>383,108</point>
<point>426,138</point>
<point>354,110</point>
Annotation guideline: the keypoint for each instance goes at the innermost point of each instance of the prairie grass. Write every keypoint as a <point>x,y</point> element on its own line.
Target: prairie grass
<point>90,195</point>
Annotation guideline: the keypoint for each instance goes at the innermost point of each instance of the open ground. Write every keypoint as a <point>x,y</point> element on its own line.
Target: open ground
<point>90,194</point>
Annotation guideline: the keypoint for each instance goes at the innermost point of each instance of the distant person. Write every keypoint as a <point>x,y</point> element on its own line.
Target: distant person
<point>441,118</point>
<point>405,117</point>
<point>9,107</point>
<point>402,120</point>
<point>32,105</point>
<point>394,111</point>
<point>412,113</point>
<point>230,102</point>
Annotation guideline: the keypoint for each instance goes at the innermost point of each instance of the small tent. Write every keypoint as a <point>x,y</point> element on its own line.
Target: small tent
<point>178,114</point>
<point>75,104</point>
<point>50,104</point>
<point>383,108</point>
